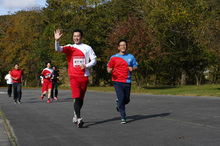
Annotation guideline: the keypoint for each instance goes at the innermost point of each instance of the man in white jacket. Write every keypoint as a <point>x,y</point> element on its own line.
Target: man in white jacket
<point>80,58</point>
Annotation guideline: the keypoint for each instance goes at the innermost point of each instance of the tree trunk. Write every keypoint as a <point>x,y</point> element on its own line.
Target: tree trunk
<point>26,80</point>
<point>198,78</point>
<point>156,79</point>
<point>93,76</point>
<point>183,78</point>
<point>2,81</point>
<point>139,83</point>
<point>213,78</point>
<point>138,79</point>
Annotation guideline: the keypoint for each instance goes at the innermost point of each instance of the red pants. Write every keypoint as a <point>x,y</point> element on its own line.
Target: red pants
<point>46,86</point>
<point>78,86</point>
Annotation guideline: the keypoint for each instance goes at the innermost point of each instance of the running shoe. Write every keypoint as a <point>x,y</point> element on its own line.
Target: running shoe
<point>51,98</point>
<point>123,121</point>
<point>75,118</point>
<point>117,105</point>
<point>42,96</point>
<point>56,98</point>
<point>48,101</point>
<point>80,123</point>
<point>19,102</point>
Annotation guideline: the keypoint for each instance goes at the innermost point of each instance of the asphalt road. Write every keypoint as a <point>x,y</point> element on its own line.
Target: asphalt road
<point>152,120</point>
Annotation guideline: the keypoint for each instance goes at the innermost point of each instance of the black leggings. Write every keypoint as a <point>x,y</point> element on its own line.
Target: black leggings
<point>54,85</point>
<point>78,103</point>
<point>9,89</point>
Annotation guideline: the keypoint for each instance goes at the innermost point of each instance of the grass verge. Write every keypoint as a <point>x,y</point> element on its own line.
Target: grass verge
<point>187,90</point>
<point>8,130</point>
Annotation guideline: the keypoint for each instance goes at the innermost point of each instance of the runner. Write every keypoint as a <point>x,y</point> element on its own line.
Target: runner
<point>55,77</point>
<point>9,83</point>
<point>121,65</point>
<point>78,56</point>
<point>17,77</point>
<point>47,82</point>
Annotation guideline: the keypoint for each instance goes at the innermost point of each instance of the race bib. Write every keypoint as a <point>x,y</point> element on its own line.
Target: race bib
<point>78,60</point>
<point>48,74</point>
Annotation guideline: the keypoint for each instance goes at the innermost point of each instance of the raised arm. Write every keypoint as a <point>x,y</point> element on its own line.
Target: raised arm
<point>57,36</point>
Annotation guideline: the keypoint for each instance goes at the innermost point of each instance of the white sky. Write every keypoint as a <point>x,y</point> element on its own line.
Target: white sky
<point>16,5</point>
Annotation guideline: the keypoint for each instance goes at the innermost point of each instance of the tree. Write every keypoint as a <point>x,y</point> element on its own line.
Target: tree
<point>177,24</point>
<point>141,43</point>
<point>23,31</point>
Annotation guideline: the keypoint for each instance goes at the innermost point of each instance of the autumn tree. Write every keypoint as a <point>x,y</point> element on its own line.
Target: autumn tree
<point>22,33</point>
<point>141,43</point>
<point>174,41</point>
<point>4,23</point>
<point>176,24</point>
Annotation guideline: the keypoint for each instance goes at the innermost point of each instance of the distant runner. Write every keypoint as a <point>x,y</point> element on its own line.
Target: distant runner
<point>17,77</point>
<point>9,83</point>
<point>46,81</point>
<point>55,77</point>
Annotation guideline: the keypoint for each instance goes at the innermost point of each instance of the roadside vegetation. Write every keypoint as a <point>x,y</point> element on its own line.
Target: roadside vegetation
<point>175,42</point>
<point>187,90</point>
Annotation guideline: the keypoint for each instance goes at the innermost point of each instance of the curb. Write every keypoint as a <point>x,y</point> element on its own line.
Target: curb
<point>7,137</point>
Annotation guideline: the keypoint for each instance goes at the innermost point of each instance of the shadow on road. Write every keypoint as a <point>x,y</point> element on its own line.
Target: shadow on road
<point>142,117</point>
<point>129,119</point>
<point>37,100</point>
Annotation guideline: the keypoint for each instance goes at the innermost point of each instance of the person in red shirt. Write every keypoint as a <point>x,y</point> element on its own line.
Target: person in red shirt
<point>122,65</point>
<point>80,58</point>
<point>17,78</point>
<point>47,81</point>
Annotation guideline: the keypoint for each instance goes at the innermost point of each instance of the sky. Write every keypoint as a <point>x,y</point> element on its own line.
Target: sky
<point>17,5</point>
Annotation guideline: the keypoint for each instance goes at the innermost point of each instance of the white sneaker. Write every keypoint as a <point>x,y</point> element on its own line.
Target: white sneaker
<point>80,123</point>
<point>74,118</point>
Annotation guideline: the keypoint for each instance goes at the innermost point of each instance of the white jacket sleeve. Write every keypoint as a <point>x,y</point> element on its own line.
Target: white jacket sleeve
<point>92,58</point>
<point>58,47</point>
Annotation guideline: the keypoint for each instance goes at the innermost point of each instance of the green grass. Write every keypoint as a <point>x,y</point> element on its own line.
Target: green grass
<point>188,90</point>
